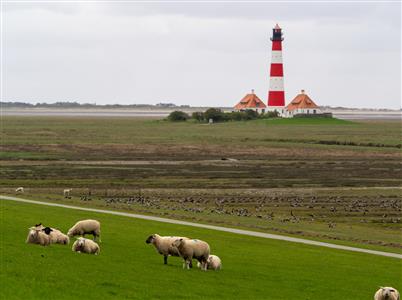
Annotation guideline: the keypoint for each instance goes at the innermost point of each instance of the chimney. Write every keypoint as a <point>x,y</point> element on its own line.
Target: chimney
<point>302,91</point>
<point>252,91</point>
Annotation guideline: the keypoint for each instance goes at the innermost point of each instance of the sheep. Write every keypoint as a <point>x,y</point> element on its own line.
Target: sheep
<point>85,246</point>
<point>214,263</point>
<point>19,189</point>
<point>37,236</point>
<point>387,293</point>
<point>163,244</point>
<point>189,249</point>
<point>85,226</point>
<point>67,192</point>
<point>56,236</point>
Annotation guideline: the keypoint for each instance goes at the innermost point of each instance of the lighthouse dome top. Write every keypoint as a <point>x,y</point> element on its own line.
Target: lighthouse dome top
<point>277,26</point>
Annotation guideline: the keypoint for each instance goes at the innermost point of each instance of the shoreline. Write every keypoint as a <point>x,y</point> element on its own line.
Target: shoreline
<point>164,112</point>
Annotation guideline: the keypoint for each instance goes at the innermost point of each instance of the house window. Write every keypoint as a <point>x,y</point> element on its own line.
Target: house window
<point>314,111</point>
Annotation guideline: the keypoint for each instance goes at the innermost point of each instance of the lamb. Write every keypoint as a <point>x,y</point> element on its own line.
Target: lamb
<point>85,226</point>
<point>67,192</point>
<point>56,236</point>
<point>189,249</point>
<point>163,245</point>
<point>214,263</point>
<point>37,236</point>
<point>19,189</point>
<point>387,293</point>
<point>85,246</point>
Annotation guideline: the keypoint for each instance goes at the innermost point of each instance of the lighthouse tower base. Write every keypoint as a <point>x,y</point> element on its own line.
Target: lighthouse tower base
<point>280,109</point>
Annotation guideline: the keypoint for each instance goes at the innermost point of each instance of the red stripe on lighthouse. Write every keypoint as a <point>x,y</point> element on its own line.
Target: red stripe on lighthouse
<point>276,70</point>
<point>276,45</point>
<point>276,98</point>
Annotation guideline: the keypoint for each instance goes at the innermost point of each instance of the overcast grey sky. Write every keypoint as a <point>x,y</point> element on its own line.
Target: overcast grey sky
<point>202,54</point>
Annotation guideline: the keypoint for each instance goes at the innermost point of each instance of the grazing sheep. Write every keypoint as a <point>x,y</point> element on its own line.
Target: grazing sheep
<point>19,189</point>
<point>85,227</point>
<point>56,236</point>
<point>85,246</point>
<point>163,244</point>
<point>214,263</point>
<point>387,293</point>
<point>37,236</point>
<point>189,249</point>
<point>67,192</point>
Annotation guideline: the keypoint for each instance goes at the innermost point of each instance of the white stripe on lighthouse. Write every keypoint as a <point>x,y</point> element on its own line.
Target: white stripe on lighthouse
<point>276,57</point>
<point>276,84</point>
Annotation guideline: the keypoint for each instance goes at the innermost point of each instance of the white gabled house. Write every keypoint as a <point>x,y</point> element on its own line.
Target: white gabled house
<point>303,105</point>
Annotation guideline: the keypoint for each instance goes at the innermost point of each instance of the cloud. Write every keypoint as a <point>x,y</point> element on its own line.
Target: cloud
<point>200,54</point>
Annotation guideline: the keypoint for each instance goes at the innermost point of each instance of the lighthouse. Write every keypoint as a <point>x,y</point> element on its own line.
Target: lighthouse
<point>276,94</point>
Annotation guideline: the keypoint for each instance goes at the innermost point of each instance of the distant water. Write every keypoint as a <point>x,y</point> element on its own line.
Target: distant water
<point>368,116</point>
<point>83,113</point>
<point>358,115</point>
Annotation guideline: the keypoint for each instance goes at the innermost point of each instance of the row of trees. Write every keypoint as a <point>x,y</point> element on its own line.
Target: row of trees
<point>217,115</point>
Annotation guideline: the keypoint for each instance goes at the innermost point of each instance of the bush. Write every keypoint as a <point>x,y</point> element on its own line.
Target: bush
<point>199,116</point>
<point>269,114</point>
<point>250,114</point>
<point>178,116</point>
<point>215,114</point>
<point>236,116</point>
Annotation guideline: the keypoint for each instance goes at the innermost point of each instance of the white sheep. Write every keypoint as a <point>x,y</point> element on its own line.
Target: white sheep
<point>85,227</point>
<point>387,293</point>
<point>67,192</point>
<point>56,236</point>
<point>37,236</point>
<point>189,249</point>
<point>19,189</point>
<point>213,263</point>
<point>163,244</point>
<point>86,246</point>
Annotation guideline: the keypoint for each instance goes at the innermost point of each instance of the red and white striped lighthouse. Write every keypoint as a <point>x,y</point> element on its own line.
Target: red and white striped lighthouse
<point>276,94</point>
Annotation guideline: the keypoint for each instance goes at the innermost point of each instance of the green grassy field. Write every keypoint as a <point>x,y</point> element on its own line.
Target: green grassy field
<point>322,179</point>
<point>253,268</point>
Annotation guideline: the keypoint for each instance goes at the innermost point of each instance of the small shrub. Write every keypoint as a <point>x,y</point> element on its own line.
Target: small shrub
<point>199,116</point>
<point>269,115</point>
<point>178,116</point>
<point>250,114</point>
<point>215,114</point>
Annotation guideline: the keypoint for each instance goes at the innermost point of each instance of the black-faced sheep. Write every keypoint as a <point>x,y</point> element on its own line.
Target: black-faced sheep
<point>85,246</point>
<point>189,249</point>
<point>37,236</point>
<point>213,263</point>
<point>85,227</point>
<point>56,236</point>
<point>163,244</point>
<point>387,293</point>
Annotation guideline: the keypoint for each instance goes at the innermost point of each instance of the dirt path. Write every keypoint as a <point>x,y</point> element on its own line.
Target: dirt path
<point>212,227</point>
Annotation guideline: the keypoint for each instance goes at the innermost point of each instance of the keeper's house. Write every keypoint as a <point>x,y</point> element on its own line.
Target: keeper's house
<point>302,105</point>
<point>251,101</point>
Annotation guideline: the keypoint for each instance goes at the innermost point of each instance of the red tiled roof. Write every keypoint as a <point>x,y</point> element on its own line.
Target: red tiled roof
<point>250,101</point>
<point>301,101</point>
